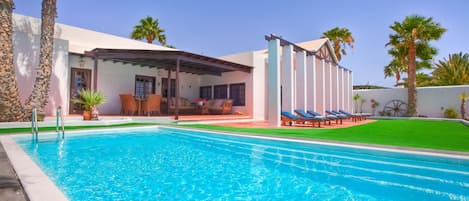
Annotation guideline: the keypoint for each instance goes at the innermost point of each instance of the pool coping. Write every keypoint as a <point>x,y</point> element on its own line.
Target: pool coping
<point>38,186</point>
<point>375,147</point>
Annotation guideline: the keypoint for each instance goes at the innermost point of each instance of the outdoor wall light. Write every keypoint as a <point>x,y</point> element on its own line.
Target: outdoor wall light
<point>81,62</point>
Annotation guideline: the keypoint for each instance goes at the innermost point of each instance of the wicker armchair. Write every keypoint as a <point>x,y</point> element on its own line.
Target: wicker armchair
<point>220,106</point>
<point>128,104</point>
<point>152,104</point>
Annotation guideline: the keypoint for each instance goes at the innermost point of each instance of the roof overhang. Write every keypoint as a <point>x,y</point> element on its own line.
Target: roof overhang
<point>167,59</point>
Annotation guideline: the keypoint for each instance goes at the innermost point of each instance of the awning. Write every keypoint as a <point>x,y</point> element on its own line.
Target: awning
<point>167,59</point>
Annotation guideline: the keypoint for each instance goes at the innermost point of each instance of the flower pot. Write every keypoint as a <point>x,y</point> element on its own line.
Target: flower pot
<point>86,115</point>
<point>94,114</point>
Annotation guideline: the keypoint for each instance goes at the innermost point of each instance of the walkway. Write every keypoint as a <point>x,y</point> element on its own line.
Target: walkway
<point>10,187</point>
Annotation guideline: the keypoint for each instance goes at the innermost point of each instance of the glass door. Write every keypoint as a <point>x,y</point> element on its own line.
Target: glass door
<point>80,79</point>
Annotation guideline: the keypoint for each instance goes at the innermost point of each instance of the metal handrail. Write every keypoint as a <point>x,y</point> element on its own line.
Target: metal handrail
<point>59,114</point>
<point>34,127</point>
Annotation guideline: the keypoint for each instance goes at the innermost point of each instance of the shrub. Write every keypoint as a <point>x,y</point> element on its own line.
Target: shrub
<point>451,113</point>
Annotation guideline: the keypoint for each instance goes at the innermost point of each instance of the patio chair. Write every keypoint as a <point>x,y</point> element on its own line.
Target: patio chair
<point>151,105</point>
<point>290,118</point>
<point>329,117</point>
<point>128,104</point>
<point>304,114</point>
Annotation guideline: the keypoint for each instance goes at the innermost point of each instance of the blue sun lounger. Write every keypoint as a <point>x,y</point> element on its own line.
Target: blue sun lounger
<point>288,118</point>
<point>304,114</point>
<point>330,117</point>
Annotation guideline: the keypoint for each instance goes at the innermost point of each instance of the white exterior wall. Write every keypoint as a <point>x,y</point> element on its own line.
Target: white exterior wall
<point>26,61</point>
<point>431,101</point>
<point>237,77</point>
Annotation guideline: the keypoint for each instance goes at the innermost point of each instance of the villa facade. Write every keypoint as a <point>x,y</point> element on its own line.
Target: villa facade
<point>310,76</point>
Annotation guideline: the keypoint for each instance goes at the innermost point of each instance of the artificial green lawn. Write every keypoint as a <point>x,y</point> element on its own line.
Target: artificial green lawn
<point>42,129</point>
<point>441,135</point>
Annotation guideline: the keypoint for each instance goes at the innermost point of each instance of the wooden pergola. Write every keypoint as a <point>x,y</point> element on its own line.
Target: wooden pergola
<point>179,61</point>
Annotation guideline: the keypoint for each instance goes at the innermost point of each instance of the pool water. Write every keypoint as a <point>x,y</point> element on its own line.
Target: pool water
<point>173,164</point>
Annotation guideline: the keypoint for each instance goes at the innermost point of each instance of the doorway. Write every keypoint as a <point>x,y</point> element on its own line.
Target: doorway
<point>80,79</point>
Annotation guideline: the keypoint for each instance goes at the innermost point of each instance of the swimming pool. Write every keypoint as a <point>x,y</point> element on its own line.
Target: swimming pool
<point>173,164</point>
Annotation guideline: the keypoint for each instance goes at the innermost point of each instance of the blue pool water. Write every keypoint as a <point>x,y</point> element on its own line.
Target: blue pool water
<point>172,164</point>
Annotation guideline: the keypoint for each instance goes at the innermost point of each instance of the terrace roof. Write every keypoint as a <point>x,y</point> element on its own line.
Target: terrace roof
<point>167,59</point>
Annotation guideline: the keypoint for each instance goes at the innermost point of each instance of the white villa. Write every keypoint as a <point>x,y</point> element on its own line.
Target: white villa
<point>286,76</point>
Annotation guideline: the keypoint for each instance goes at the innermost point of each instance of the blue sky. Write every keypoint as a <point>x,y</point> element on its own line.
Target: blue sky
<point>217,28</point>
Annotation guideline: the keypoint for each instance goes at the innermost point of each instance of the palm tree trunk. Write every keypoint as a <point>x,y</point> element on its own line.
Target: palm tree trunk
<point>39,95</point>
<point>411,84</point>
<point>337,50</point>
<point>10,104</point>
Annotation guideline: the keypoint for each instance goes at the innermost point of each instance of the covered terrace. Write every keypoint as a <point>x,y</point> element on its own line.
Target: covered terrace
<point>174,61</point>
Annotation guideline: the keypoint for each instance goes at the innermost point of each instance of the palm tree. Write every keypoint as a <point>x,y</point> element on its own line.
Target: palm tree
<point>10,104</point>
<point>452,71</point>
<point>149,29</point>
<point>40,91</point>
<point>341,38</point>
<point>397,66</point>
<point>414,34</point>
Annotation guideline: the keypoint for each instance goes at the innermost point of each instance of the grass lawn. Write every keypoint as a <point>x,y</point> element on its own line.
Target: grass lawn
<point>52,128</point>
<point>442,135</point>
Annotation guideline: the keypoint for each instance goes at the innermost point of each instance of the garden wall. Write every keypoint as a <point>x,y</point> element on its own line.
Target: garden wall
<point>431,101</point>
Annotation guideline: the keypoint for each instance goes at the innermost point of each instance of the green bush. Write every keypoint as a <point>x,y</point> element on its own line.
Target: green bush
<point>451,113</point>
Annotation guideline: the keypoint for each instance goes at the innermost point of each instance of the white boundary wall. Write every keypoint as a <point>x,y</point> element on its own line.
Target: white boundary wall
<point>431,101</point>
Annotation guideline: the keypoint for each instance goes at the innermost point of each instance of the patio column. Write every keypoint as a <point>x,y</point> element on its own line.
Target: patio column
<point>287,79</point>
<point>311,87</point>
<point>273,83</point>
<point>330,86</point>
<point>350,88</point>
<point>342,88</point>
<point>301,93</point>
<point>337,69</point>
<point>95,74</point>
<point>168,90</point>
<point>323,86</point>
<point>176,102</point>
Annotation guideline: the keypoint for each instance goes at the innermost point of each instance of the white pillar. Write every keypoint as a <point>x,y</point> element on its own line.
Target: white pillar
<point>301,81</point>
<point>350,89</point>
<point>342,86</point>
<point>287,79</point>
<point>347,93</point>
<point>323,86</point>
<point>337,90</point>
<point>312,77</point>
<point>273,83</point>
<point>330,86</point>
<point>311,83</point>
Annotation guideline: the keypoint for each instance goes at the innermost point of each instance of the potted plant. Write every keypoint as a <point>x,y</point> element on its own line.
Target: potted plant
<point>362,101</point>
<point>90,100</point>
<point>374,105</point>
<point>463,97</point>
<point>356,97</point>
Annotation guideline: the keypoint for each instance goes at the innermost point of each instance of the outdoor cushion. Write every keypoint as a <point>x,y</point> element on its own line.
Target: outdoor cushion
<point>218,102</point>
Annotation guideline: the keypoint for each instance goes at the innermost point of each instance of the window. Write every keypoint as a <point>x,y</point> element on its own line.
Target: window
<point>144,85</point>
<point>164,87</point>
<point>237,94</point>
<point>220,91</point>
<point>206,92</point>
